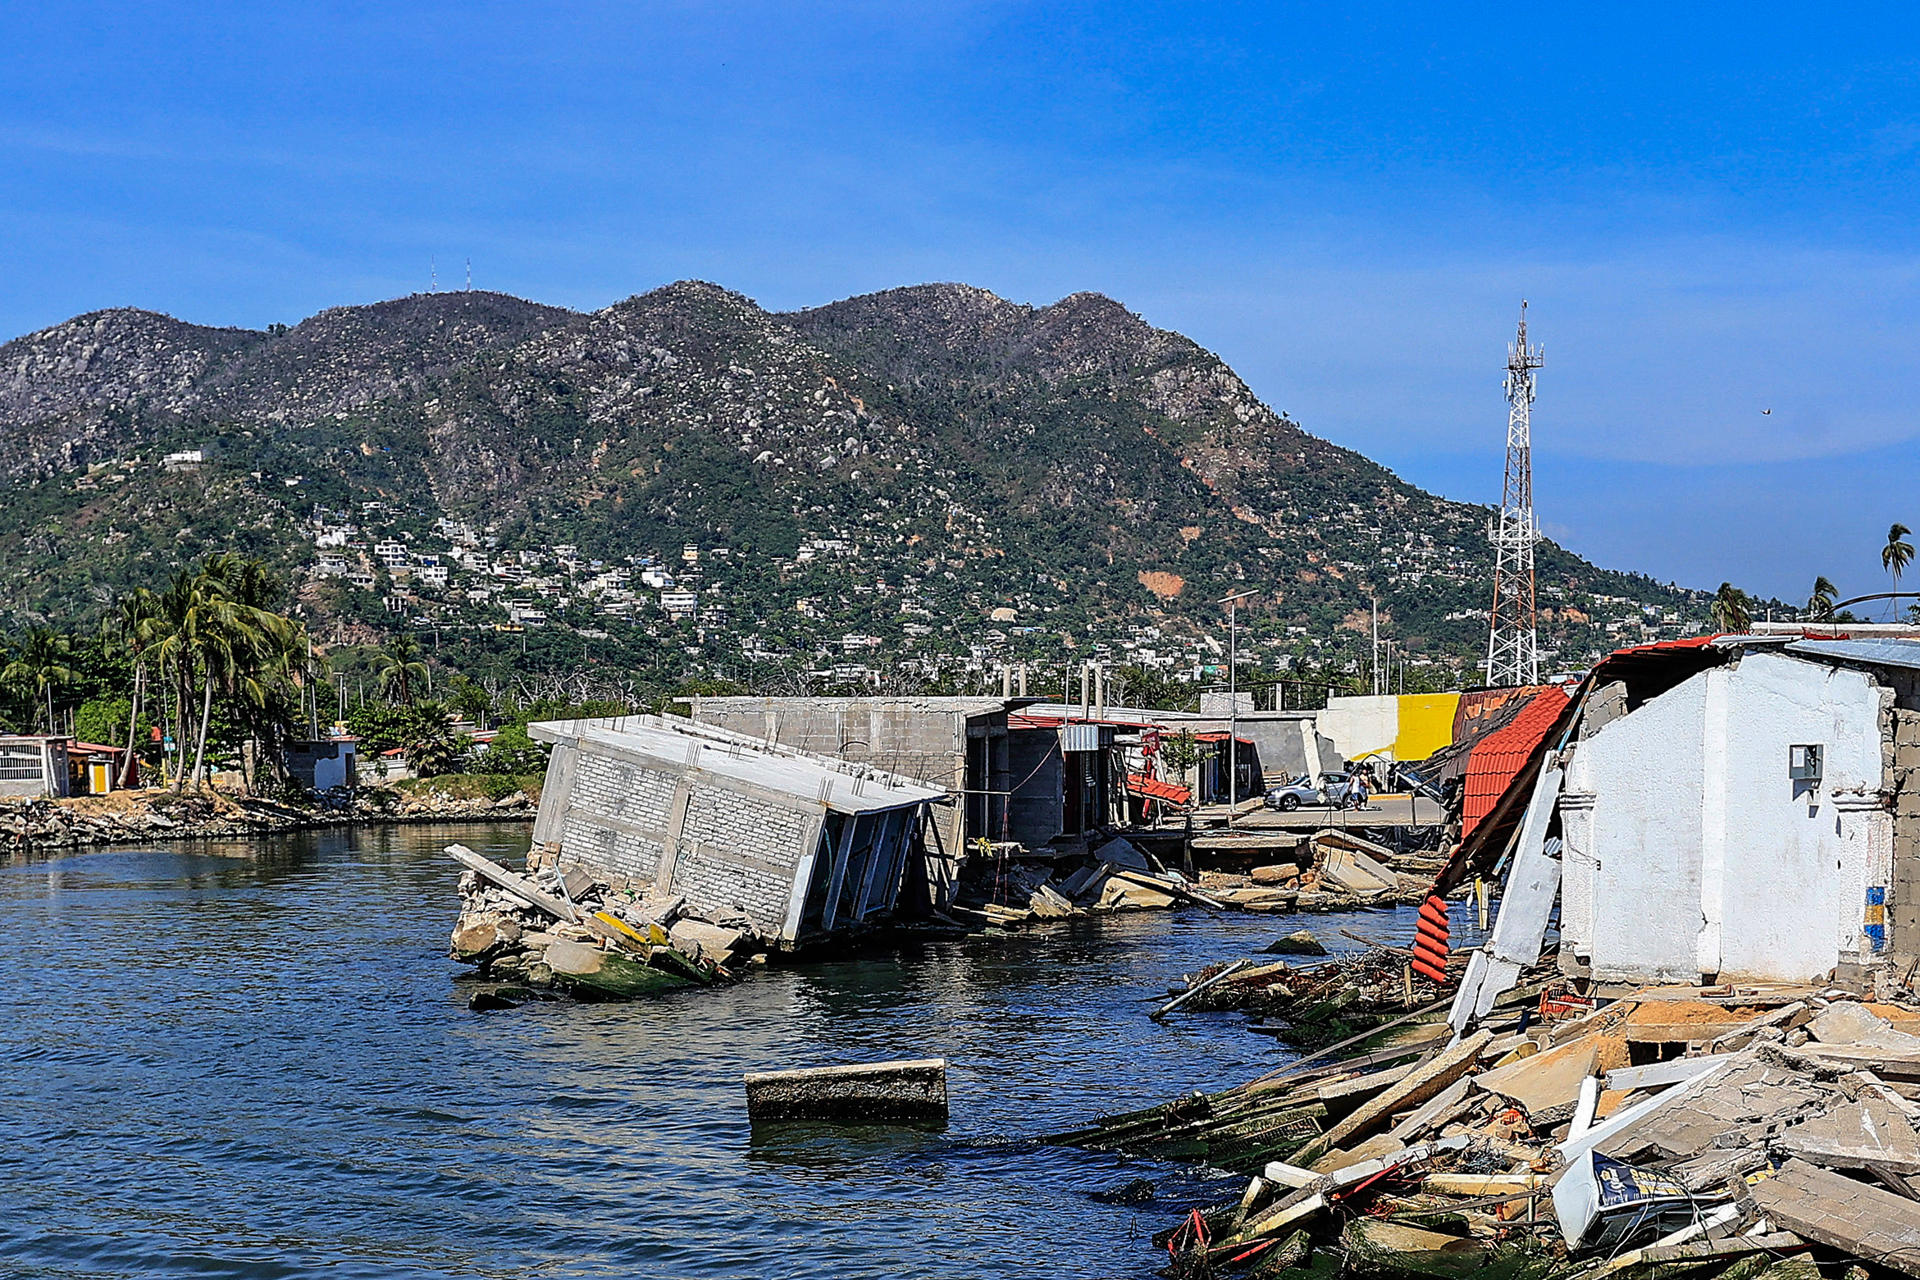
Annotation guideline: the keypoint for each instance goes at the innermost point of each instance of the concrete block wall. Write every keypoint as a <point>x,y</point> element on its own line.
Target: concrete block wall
<point>1900,756</point>
<point>610,853</point>
<point>620,789</point>
<point>738,853</point>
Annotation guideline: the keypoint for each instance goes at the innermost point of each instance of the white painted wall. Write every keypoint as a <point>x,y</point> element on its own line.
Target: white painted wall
<point>1362,725</point>
<point>1646,774</point>
<point>1698,856</point>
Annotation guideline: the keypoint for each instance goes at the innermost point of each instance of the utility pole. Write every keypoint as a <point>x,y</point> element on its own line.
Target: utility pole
<point>1376,646</point>
<point>1233,702</point>
<point>1513,646</point>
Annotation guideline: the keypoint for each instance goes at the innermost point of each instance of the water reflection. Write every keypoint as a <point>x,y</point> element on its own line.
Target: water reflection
<point>252,1059</point>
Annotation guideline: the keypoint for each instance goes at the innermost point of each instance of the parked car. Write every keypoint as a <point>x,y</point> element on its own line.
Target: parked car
<point>1336,791</point>
<point>1290,796</point>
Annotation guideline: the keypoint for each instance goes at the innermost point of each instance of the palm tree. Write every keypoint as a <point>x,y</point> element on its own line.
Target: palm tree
<point>1820,603</point>
<point>470,700</point>
<point>401,669</point>
<point>38,668</point>
<point>258,656</point>
<point>1730,609</point>
<point>135,622</point>
<point>436,747</point>
<point>1897,554</point>
<point>217,633</point>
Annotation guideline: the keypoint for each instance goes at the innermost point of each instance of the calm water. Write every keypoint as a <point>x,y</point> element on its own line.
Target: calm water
<point>253,1060</point>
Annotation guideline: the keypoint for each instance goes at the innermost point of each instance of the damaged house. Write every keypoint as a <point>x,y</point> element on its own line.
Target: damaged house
<point>1734,808</point>
<point>796,845</point>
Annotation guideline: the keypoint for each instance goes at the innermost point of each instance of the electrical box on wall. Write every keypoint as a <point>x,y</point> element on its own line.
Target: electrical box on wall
<point>1805,767</point>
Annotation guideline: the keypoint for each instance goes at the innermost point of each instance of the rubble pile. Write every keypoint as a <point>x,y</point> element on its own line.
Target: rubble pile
<point>567,932</point>
<point>1314,1004</point>
<point>1717,1133</point>
<point>122,817</point>
<point>1342,875</point>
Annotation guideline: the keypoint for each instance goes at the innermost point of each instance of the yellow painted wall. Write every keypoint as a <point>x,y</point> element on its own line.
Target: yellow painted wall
<point>1426,724</point>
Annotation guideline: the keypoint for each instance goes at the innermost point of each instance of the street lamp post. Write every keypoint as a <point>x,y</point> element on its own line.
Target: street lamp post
<point>1233,702</point>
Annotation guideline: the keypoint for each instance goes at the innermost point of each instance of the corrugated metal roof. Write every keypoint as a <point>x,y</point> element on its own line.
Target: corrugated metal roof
<point>1879,653</point>
<point>1502,754</point>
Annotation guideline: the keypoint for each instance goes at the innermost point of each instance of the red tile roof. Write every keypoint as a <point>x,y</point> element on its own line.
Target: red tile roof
<point>1499,757</point>
<point>1154,789</point>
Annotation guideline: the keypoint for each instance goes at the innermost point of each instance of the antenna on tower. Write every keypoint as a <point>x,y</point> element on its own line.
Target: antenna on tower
<point>433,274</point>
<point>469,275</point>
<point>1513,644</point>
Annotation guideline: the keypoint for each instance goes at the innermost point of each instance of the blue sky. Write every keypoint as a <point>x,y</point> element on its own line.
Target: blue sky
<point>1712,211</point>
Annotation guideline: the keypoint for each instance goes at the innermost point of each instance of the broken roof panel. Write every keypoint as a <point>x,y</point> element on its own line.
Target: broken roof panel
<point>1877,653</point>
<point>1502,754</point>
<point>1154,789</point>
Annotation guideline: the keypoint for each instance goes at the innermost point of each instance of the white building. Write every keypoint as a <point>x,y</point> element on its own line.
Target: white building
<point>1734,810</point>
<point>1691,850</point>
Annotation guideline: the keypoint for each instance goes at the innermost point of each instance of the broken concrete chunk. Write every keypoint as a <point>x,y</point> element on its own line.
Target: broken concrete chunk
<point>1837,1211</point>
<point>1301,942</point>
<point>1870,1133</point>
<point>704,941</point>
<point>1357,873</point>
<point>867,1092</point>
<point>1546,1082</point>
<point>1849,1024</point>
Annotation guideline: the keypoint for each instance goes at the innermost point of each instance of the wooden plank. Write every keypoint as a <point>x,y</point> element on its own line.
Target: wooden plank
<point>1410,1128</point>
<point>1336,1090</point>
<point>1422,1084</point>
<point>519,886</point>
<point>1168,887</point>
<point>1483,1184</point>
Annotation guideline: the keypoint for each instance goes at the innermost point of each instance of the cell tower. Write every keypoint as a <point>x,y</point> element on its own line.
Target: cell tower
<point>1513,647</point>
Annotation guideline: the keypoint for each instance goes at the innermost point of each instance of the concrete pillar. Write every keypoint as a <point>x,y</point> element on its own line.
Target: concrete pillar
<point>1576,877</point>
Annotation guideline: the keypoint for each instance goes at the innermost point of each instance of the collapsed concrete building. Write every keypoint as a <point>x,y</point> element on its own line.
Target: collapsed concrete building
<point>1735,808</point>
<point>794,844</point>
<point>957,743</point>
<point>1019,772</point>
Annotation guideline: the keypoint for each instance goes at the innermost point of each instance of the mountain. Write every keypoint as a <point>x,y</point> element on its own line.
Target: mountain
<point>921,471</point>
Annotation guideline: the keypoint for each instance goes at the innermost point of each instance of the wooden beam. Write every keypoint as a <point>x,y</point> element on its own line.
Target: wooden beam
<point>517,885</point>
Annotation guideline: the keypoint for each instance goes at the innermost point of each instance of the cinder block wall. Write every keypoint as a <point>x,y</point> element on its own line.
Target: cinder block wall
<point>727,850</point>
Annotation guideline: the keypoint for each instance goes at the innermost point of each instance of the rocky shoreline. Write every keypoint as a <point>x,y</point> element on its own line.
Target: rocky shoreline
<point>146,816</point>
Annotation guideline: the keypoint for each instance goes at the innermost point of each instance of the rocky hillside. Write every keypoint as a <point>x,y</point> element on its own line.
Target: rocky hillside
<point>907,471</point>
